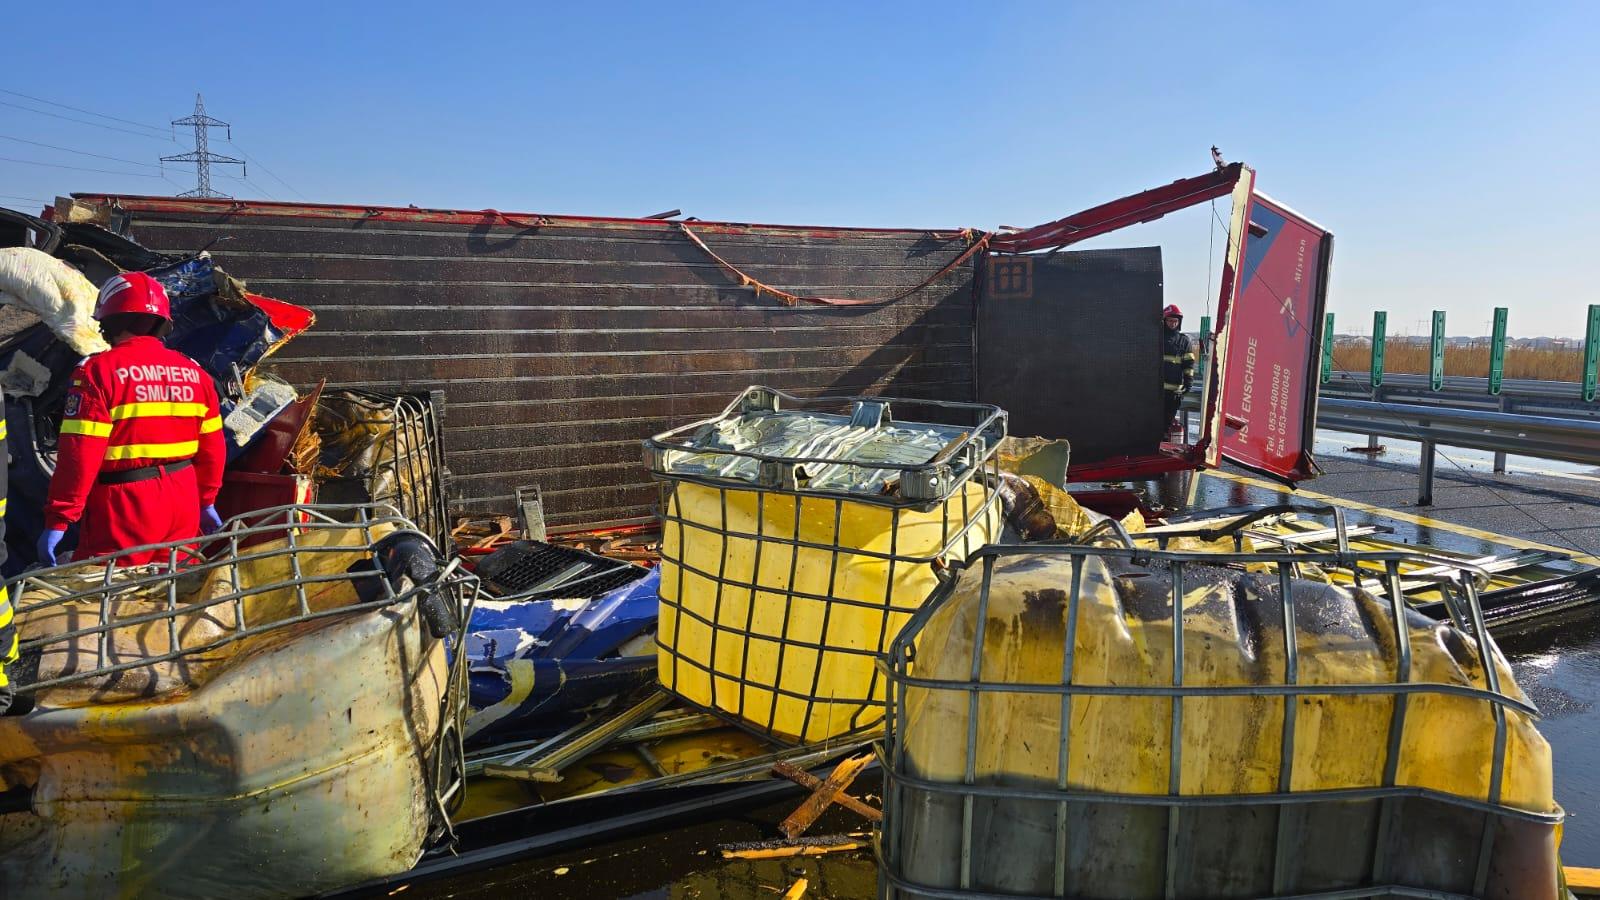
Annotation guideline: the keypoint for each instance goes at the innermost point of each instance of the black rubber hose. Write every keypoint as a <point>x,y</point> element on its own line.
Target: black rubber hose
<point>410,556</point>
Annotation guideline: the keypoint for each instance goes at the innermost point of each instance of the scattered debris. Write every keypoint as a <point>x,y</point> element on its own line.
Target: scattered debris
<point>811,783</point>
<point>797,890</point>
<point>536,658</point>
<point>25,377</point>
<point>825,794</point>
<point>782,848</point>
<point>483,534</point>
<point>547,767</point>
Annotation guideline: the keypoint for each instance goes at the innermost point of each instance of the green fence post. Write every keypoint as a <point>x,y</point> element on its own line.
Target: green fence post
<point>1380,323</point>
<point>1327,348</point>
<point>1205,349</point>
<point>1497,351</point>
<point>1591,353</point>
<point>1436,353</point>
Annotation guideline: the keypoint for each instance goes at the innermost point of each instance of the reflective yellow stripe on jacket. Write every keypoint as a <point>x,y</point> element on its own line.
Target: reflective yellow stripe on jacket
<point>158,408</point>
<point>8,653</point>
<point>86,428</point>
<point>181,449</point>
<point>212,424</point>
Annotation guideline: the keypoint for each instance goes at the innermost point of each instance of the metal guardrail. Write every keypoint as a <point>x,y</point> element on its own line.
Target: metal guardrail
<point>1546,437</point>
<point>1445,418</point>
<point>1525,396</point>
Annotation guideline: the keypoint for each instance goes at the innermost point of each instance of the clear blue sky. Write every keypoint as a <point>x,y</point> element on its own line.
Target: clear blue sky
<point>1450,147</point>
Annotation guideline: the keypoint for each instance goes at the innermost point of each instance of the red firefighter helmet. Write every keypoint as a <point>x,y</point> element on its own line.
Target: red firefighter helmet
<point>133,292</point>
<point>1172,311</point>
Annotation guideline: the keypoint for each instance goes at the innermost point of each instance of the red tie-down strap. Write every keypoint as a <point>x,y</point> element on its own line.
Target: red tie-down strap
<point>976,243</point>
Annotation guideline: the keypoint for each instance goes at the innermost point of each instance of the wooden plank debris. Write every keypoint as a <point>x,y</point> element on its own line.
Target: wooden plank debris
<point>797,890</point>
<point>819,845</point>
<point>824,795</point>
<point>1582,882</point>
<point>811,782</point>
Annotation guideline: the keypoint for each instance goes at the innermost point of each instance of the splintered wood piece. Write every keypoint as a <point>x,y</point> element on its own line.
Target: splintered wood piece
<point>807,813</point>
<point>811,782</point>
<point>797,890</point>
<point>806,846</point>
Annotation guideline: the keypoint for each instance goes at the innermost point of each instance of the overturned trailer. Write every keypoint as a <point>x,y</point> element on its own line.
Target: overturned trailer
<point>561,340</point>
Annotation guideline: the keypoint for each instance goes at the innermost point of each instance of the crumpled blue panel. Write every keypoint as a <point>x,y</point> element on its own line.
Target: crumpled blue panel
<point>571,653</point>
<point>217,335</point>
<point>187,280</point>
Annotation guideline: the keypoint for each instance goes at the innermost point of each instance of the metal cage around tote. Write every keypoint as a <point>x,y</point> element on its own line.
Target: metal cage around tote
<point>955,492</point>
<point>279,538</point>
<point>967,802</point>
<point>392,453</point>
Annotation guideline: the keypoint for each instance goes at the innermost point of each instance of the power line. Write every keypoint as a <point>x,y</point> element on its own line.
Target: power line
<point>87,112</point>
<point>263,168</point>
<point>29,199</point>
<point>131,162</point>
<point>41,112</point>
<point>253,186</point>
<point>34,162</point>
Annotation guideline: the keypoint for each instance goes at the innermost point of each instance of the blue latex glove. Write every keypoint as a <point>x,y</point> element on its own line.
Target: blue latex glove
<point>46,548</point>
<point>210,522</point>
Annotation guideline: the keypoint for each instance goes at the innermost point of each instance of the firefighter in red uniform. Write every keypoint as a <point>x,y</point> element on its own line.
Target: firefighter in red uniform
<point>141,451</point>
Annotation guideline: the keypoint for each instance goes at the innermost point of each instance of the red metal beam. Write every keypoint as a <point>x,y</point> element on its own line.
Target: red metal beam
<point>1171,458</point>
<point>137,203</point>
<point>1142,207</point>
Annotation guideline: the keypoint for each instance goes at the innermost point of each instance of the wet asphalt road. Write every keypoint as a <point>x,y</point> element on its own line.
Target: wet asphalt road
<point>1559,668</point>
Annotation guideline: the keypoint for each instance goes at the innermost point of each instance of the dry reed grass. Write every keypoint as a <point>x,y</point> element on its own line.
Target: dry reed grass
<point>1413,359</point>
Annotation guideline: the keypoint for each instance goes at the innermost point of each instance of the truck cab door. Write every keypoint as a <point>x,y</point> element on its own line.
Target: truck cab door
<point>1260,396</point>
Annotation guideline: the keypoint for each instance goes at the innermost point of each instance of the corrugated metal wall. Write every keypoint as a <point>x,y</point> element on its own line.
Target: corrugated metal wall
<point>559,347</point>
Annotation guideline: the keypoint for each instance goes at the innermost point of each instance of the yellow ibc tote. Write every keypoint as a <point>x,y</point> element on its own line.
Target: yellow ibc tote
<point>799,536</point>
<point>1125,722</point>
